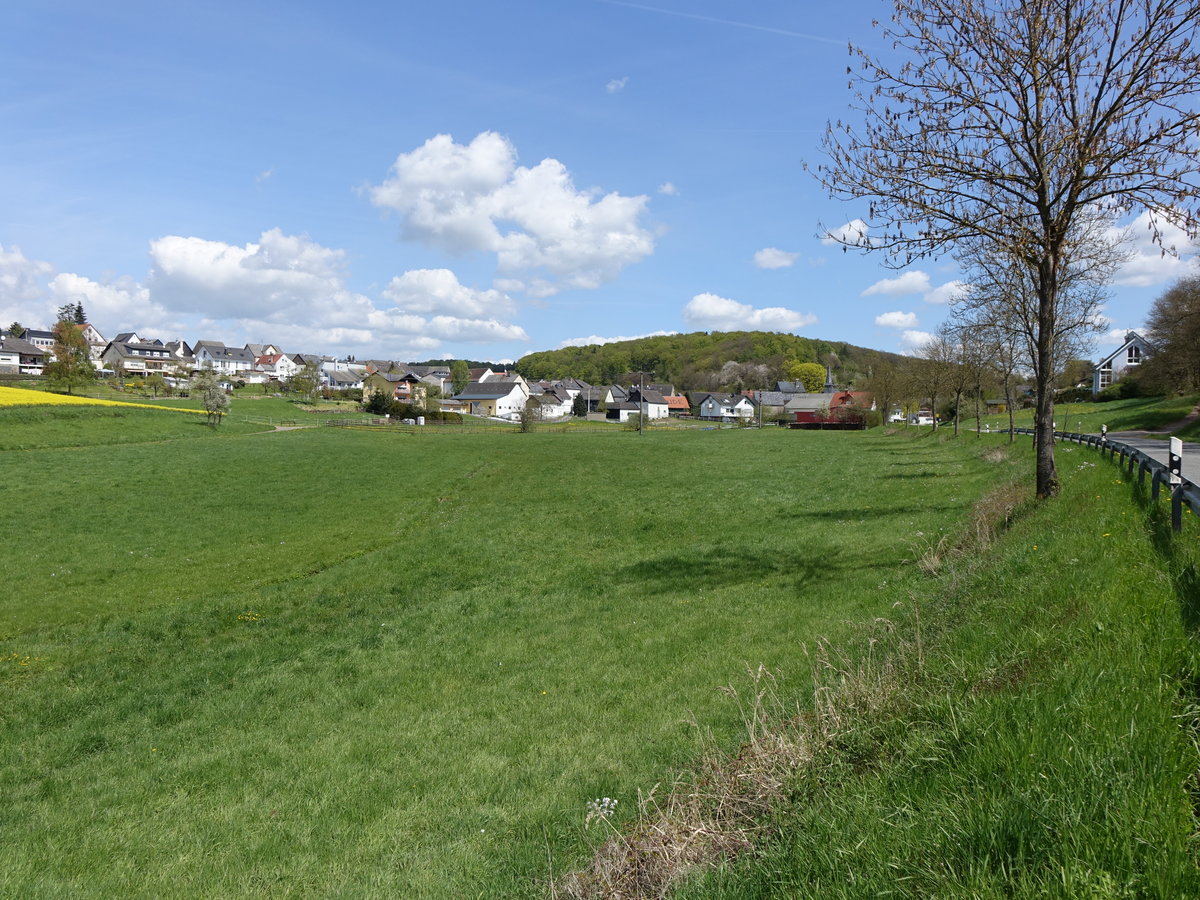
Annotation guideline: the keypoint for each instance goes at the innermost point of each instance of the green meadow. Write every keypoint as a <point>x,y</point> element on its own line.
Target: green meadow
<point>341,662</point>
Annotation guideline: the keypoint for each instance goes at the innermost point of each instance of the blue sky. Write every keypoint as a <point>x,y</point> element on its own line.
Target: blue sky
<point>451,179</point>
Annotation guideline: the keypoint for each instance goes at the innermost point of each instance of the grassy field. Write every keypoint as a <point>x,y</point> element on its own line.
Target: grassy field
<point>337,662</point>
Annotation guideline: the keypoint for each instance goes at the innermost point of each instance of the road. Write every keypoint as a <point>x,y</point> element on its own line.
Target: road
<point>1159,449</point>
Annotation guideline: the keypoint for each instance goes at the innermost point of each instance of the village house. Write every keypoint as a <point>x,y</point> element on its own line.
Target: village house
<point>39,338</point>
<point>722,407</point>
<point>231,362</point>
<point>1129,355</point>
<point>403,386</point>
<point>499,399</point>
<point>137,358</point>
<point>19,357</point>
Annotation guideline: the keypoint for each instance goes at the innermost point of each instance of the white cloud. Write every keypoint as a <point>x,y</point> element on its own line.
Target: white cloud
<point>913,340</point>
<point>712,313</point>
<point>476,198</point>
<point>123,304</point>
<point>774,258</point>
<point>897,320</point>
<point>280,278</point>
<point>1114,337</point>
<point>23,290</point>
<point>854,233</point>
<point>947,293</point>
<point>264,176</point>
<point>293,289</point>
<point>596,339</point>
<point>1153,263</point>
<point>439,291</point>
<point>616,85</point>
<point>914,282</point>
<point>668,189</point>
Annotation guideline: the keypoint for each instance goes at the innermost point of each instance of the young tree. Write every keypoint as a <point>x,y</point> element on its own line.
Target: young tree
<point>810,374</point>
<point>16,329</point>
<point>933,370</point>
<point>1008,123</point>
<point>579,406</point>
<point>306,382</point>
<point>72,364</point>
<point>886,384</point>
<point>460,375</point>
<point>156,382</point>
<point>212,396</point>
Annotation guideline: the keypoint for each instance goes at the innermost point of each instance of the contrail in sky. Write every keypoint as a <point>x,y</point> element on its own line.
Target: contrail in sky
<point>769,30</point>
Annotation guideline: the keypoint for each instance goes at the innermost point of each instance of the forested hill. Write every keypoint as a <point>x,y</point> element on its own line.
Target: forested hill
<point>702,360</point>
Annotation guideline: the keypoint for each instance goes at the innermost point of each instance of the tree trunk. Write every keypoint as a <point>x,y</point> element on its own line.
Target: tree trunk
<point>1043,423</point>
<point>1008,403</point>
<point>957,410</point>
<point>978,416</point>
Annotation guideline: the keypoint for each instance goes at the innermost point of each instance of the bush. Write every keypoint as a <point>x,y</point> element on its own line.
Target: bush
<point>378,404</point>
<point>1074,395</point>
<point>1125,389</point>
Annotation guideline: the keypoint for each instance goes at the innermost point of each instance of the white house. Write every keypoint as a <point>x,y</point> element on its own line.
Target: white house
<point>726,407</point>
<point>1130,354</point>
<point>227,361</point>
<point>502,399</point>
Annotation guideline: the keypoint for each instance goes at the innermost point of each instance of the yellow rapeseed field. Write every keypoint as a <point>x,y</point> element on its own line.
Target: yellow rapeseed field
<point>10,396</point>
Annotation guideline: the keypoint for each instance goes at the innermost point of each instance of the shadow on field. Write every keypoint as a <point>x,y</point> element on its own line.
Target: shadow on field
<point>861,512</point>
<point>721,567</point>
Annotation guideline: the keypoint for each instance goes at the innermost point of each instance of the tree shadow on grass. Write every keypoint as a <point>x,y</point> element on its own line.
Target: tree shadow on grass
<point>875,512</point>
<point>715,567</point>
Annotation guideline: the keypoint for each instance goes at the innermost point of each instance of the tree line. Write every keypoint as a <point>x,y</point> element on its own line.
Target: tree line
<point>704,361</point>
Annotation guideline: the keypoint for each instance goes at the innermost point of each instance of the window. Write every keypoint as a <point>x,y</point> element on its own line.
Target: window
<point>1134,355</point>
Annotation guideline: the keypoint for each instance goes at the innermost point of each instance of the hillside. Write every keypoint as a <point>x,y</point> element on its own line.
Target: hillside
<point>700,360</point>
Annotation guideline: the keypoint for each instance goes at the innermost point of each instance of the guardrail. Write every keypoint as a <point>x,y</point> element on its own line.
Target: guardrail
<point>1184,493</point>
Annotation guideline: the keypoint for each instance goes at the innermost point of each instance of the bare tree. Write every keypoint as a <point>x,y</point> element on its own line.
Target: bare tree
<point>977,351</point>
<point>1008,123</point>
<point>935,368</point>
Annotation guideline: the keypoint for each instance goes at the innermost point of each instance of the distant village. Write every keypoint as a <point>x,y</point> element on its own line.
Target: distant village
<point>487,392</point>
<point>494,393</point>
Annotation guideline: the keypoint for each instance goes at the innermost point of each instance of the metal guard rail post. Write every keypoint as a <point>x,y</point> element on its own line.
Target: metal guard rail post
<point>1131,457</point>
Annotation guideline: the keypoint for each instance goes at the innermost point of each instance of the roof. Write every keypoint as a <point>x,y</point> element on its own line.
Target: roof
<point>20,345</point>
<point>772,398</point>
<point>677,401</point>
<point>850,398</point>
<point>807,402</point>
<point>125,347</point>
<point>1131,338</point>
<point>487,390</point>
<point>647,396</point>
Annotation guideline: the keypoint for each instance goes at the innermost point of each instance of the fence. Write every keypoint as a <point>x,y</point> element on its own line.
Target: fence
<point>1184,493</point>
